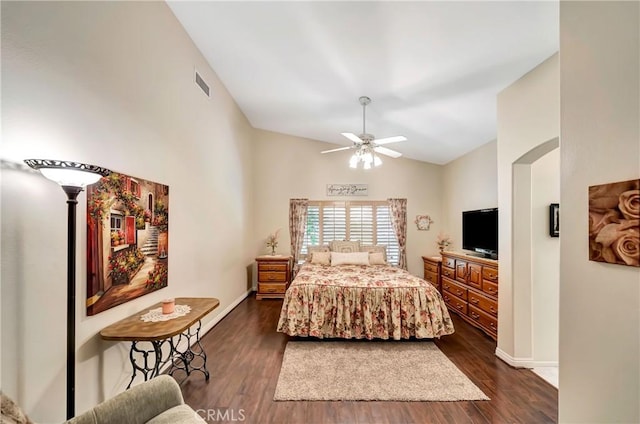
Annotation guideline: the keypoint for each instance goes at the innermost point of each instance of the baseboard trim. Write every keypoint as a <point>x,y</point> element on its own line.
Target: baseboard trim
<point>208,326</point>
<point>523,362</point>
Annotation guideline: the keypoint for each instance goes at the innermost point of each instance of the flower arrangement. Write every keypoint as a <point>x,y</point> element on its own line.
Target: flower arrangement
<point>443,241</point>
<point>272,241</point>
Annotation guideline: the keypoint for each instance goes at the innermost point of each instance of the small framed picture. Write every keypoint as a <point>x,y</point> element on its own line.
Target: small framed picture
<point>554,220</point>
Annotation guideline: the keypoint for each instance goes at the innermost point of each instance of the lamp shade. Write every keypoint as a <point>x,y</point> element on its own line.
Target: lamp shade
<point>68,174</point>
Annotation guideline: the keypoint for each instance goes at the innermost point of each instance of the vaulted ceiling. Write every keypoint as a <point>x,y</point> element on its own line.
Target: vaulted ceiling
<point>432,69</point>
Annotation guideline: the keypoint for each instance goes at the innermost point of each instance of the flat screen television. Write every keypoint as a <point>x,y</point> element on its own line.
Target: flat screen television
<point>480,232</point>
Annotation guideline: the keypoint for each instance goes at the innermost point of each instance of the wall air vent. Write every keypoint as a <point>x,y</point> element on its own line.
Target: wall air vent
<point>202,84</point>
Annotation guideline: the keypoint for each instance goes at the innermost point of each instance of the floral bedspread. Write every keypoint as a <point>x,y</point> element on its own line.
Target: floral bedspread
<point>358,301</point>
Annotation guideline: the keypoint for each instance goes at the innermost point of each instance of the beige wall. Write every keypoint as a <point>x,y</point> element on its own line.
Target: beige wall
<point>545,260</point>
<point>528,117</point>
<point>288,167</point>
<point>599,303</point>
<point>110,83</point>
<point>468,183</point>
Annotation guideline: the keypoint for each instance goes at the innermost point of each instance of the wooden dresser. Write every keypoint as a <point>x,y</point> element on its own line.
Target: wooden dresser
<point>470,288</point>
<point>432,270</point>
<point>274,273</point>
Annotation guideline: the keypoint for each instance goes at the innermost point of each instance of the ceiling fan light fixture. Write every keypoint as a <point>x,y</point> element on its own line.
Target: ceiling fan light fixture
<point>366,146</point>
<point>353,162</point>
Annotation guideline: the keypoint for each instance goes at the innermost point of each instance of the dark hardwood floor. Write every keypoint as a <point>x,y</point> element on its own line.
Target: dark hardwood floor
<point>245,353</point>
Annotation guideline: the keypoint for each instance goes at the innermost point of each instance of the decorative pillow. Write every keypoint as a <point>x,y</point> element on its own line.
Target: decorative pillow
<point>349,258</point>
<point>322,258</point>
<point>377,258</point>
<point>345,246</point>
<point>312,249</point>
<point>11,412</point>
<point>381,248</point>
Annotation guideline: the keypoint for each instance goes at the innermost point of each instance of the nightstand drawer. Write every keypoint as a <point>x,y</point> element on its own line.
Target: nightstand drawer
<point>428,266</point>
<point>264,288</point>
<point>268,276</point>
<point>431,277</point>
<point>272,267</point>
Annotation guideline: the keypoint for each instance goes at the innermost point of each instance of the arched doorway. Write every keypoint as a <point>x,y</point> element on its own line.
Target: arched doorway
<point>535,256</point>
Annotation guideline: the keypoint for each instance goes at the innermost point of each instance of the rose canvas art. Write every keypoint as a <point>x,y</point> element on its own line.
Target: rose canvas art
<point>614,223</point>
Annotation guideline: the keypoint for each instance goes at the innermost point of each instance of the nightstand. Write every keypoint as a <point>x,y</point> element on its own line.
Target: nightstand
<point>432,270</point>
<point>273,276</point>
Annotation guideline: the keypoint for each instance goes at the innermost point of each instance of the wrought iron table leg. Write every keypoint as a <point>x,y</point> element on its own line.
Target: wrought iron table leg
<point>148,369</point>
<point>183,359</point>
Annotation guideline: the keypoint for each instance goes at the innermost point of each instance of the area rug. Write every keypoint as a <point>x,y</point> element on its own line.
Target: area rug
<point>358,370</point>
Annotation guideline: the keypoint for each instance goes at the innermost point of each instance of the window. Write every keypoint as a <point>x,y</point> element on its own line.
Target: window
<point>367,221</point>
<point>116,222</point>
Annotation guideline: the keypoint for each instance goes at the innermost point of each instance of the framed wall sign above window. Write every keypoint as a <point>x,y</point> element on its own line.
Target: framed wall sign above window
<point>347,189</point>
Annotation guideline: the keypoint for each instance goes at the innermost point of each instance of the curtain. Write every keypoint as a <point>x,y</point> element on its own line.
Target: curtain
<point>398,209</point>
<point>297,226</point>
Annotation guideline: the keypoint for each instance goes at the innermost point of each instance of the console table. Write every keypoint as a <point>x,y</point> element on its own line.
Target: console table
<point>189,359</point>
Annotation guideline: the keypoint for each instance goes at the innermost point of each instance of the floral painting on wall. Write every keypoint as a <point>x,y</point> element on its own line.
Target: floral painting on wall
<point>614,223</point>
<point>127,240</point>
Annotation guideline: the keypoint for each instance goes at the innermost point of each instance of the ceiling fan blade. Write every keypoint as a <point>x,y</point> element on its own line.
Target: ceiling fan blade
<point>388,152</point>
<point>352,137</point>
<point>393,139</point>
<point>338,149</point>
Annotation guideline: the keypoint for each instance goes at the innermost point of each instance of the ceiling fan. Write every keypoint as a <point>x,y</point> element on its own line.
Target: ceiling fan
<point>366,144</point>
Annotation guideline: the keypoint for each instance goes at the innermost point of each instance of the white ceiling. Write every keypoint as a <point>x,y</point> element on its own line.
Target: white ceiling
<point>432,69</point>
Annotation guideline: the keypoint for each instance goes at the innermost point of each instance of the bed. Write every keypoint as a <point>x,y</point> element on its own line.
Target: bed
<point>362,302</point>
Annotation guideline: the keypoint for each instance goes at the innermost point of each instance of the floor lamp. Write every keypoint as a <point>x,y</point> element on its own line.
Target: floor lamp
<point>73,177</point>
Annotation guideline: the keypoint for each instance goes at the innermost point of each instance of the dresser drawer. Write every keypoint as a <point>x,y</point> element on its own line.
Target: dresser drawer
<point>454,303</point>
<point>268,276</point>
<point>449,272</point>
<point>485,320</point>
<point>262,266</point>
<point>449,262</point>
<point>454,288</point>
<point>490,288</point>
<point>481,301</point>
<point>264,288</point>
<point>490,274</point>
<point>431,277</point>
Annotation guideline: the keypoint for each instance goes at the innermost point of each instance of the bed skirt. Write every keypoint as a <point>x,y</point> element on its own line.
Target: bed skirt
<point>325,311</point>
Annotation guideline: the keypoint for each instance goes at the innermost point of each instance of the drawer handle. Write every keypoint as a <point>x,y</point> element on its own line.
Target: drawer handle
<point>474,315</point>
<point>271,290</point>
<point>459,306</point>
<point>492,310</point>
<point>492,325</point>
<point>474,300</point>
<point>459,292</point>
